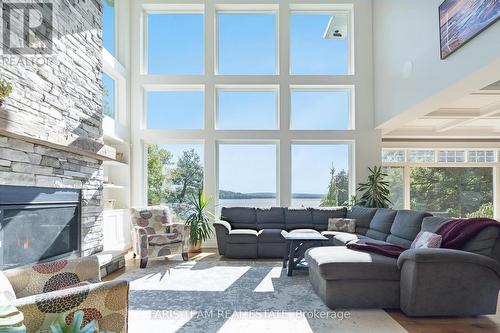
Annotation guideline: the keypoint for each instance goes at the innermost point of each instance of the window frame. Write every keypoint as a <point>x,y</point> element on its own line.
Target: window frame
<point>159,9</point>
<point>350,166</point>
<point>407,165</point>
<point>276,143</point>
<point>247,9</point>
<point>115,70</point>
<point>328,9</point>
<point>282,80</point>
<point>116,26</point>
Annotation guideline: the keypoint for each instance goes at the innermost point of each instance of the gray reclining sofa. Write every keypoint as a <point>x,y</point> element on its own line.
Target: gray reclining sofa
<point>421,282</point>
<point>256,233</point>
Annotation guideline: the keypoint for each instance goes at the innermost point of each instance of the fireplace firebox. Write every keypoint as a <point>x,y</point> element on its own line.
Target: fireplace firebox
<point>38,224</point>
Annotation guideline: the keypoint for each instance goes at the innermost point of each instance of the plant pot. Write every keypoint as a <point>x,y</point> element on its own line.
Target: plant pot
<point>195,248</point>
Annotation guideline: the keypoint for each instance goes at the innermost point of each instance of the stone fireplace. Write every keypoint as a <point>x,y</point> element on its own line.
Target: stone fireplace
<point>30,165</point>
<point>51,125</point>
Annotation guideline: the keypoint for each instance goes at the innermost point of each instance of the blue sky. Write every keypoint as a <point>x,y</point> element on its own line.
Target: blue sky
<point>247,110</point>
<point>108,27</point>
<point>247,168</point>
<point>247,45</point>
<point>311,166</point>
<point>175,110</point>
<point>320,110</point>
<point>310,53</point>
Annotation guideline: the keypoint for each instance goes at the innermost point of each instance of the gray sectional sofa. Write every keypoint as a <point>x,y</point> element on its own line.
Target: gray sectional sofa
<point>246,233</point>
<point>421,282</point>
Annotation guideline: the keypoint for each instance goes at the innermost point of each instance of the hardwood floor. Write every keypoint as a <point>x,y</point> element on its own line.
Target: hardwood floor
<point>448,325</point>
<point>480,324</point>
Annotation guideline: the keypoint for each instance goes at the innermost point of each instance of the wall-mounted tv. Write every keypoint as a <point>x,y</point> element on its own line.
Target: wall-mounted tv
<point>462,20</point>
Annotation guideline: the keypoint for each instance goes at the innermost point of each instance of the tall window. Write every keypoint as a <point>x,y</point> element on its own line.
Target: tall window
<point>456,192</point>
<point>396,179</point>
<point>319,44</point>
<point>109,96</point>
<point>247,175</point>
<point>175,175</point>
<point>320,175</point>
<point>109,25</point>
<point>458,184</point>
<point>271,135</point>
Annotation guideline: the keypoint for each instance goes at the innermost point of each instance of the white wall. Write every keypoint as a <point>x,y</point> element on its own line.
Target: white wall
<point>406,33</point>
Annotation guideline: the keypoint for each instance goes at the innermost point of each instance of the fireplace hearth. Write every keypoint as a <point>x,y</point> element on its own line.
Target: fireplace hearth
<point>38,224</point>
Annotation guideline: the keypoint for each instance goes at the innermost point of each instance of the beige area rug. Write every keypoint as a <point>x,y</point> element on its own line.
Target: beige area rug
<point>211,295</point>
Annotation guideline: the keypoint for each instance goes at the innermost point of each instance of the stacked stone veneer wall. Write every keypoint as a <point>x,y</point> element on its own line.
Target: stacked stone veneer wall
<point>26,164</point>
<point>54,115</point>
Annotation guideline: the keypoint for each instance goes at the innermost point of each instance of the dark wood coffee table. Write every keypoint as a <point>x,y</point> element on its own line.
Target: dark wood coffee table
<point>298,243</point>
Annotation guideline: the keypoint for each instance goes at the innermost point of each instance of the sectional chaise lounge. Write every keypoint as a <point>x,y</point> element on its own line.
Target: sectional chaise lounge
<point>421,282</point>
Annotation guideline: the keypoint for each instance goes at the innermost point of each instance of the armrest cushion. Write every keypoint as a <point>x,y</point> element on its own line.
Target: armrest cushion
<point>109,299</point>
<point>219,224</point>
<point>30,280</point>
<point>440,255</point>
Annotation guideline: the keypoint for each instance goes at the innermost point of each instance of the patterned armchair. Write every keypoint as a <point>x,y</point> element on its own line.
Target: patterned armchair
<point>154,234</point>
<point>43,291</point>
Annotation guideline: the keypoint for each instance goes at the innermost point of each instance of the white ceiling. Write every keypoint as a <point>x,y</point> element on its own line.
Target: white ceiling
<point>473,116</point>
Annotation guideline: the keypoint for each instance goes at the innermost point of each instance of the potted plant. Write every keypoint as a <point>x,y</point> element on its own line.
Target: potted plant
<point>199,221</point>
<point>63,324</point>
<point>376,190</point>
<point>5,90</point>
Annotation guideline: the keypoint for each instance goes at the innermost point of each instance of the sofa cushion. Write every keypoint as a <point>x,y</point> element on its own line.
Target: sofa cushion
<point>240,217</point>
<point>298,219</point>
<point>270,236</point>
<point>483,242</point>
<point>433,223</point>
<point>341,238</point>
<point>340,263</point>
<point>242,236</point>
<point>320,216</point>
<point>406,226</point>
<point>363,217</point>
<point>270,218</point>
<point>380,225</point>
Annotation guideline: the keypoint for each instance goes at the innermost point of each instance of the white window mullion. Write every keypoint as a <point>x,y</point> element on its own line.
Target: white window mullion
<point>285,158</point>
<point>407,187</point>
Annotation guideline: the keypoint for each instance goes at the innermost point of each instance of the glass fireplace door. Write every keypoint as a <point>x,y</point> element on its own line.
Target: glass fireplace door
<point>37,232</point>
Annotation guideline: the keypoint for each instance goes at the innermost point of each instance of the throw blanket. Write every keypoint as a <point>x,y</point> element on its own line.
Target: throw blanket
<point>454,236</point>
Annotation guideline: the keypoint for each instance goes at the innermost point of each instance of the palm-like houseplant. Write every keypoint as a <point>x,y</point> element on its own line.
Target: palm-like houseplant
<point>198,221</point>
<point>75,324</point>
<point>376,190</point>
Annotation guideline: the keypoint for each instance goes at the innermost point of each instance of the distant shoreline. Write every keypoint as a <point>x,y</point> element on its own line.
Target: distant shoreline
<point>229,195</point>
